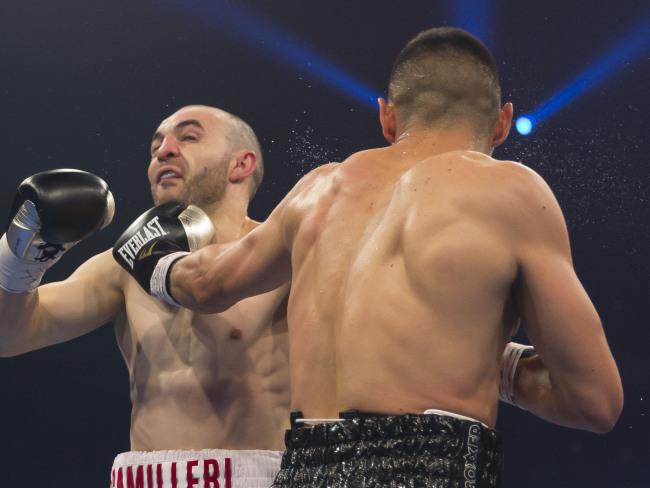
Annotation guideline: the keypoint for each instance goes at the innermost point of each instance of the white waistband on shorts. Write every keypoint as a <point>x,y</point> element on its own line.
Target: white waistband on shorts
<point>431,411</point>
<point>208,468</point>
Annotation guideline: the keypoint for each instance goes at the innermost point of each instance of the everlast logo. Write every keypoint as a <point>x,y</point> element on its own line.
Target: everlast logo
<point>470,457</point>
<point>146,233</point>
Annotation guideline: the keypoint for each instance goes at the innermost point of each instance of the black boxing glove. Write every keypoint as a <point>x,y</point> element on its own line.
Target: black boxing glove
<point>166,232</point>
<point>52,211</point>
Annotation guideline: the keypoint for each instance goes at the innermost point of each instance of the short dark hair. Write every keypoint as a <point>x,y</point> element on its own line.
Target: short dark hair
<point>444,76</point>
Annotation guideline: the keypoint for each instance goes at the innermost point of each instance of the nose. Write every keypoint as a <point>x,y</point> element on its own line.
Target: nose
<point>168,149</point>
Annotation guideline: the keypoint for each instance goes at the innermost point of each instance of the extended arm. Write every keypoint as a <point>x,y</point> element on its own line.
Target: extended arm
<point>215,277</point>
<point>52,211</point>
<point>57,312</point>
<point>211,279</point>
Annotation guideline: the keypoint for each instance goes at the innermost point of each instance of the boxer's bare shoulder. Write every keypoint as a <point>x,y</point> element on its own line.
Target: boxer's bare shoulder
<point>308,206</point>
<point>308,190</point>
<point>499,195</point>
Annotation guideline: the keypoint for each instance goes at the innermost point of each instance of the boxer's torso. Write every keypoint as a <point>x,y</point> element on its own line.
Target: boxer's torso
<point>402,273</point>
<point>205,381</point>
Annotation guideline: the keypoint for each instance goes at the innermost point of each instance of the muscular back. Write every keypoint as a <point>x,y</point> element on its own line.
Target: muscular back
<point>402,274</point>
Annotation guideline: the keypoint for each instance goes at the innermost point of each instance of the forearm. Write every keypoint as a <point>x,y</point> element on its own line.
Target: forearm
<point>196,281</point>
<point>217,276</point>
<point>539,392</point>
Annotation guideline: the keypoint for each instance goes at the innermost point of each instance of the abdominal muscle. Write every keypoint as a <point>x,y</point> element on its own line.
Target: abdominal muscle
<point>205,381</point>
<point>184,414</point>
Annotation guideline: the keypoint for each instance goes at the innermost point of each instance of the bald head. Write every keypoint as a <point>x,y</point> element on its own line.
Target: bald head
<point>445,77</point>
<point>239,136</point>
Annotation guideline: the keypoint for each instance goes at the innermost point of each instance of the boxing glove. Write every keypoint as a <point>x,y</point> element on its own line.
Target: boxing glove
<point>168,231</point>
<point>52,211</point>
<point>512,353</point>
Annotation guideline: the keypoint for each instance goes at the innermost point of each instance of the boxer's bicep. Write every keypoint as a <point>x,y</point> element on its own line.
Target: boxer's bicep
<point>261,261</point>
<point>258,263</point>
<point>89,298</point>
<point>216,277</point>
<point>557,314</point>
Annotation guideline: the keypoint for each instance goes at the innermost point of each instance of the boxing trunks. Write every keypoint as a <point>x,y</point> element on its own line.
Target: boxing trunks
<point>209,468</point>
<point>364,450</point>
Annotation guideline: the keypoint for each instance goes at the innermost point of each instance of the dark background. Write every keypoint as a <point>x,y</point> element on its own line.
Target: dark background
<point>83,84</point>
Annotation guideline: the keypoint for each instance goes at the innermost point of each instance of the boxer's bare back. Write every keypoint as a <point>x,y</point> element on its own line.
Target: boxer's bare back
<point>409,285</point>
<point>411,266</point>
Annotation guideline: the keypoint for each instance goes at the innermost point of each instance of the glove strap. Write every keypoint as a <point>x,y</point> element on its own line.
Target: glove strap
<point>158,283</point>
<point>19,275</point>
<point>511,356</point>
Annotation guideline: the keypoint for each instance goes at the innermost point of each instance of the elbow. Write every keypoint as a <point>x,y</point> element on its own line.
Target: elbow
<point>603,412</point>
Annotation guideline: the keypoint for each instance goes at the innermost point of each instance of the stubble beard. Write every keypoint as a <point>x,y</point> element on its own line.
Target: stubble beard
<point>205,190</point>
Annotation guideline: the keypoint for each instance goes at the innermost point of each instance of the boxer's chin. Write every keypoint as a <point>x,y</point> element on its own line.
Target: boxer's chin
<point>162,195</point>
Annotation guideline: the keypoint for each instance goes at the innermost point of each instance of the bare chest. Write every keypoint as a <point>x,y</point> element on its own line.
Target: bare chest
<point>156,339</point>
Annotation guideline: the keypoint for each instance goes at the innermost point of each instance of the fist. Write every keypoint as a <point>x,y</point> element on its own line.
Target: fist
<point>160,231</point>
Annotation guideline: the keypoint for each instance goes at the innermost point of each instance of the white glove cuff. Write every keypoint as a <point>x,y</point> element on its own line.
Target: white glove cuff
<point>158,283</point>
<point>19,275</point>
<point>511,356</point>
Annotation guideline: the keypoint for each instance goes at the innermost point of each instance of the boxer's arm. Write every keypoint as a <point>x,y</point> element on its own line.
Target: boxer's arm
<point>578,384</point>
<point>535,391</point>
<point>216,277</point>
<point>60,311</point>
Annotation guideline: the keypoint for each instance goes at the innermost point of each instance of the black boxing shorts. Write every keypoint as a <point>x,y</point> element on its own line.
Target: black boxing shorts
<point>364,450</point>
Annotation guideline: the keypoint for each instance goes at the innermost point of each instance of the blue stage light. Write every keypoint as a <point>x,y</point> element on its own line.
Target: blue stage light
<point>632,46</point>
<point>524,125</point>
<point>474,16</point>
<point>246,27</point>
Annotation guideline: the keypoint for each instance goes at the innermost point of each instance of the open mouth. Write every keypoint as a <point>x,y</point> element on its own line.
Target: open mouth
<point>168,175</point>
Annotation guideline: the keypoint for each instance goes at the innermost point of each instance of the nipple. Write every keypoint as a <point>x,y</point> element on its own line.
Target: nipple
<point>236,334</point>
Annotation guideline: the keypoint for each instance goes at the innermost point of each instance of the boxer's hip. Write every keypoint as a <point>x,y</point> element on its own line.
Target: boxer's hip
<point>362,449</point>
<point>208,468</point>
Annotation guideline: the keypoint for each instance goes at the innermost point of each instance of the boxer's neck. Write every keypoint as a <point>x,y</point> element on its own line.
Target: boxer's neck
<point>428,142</point>
<point>230,219</point>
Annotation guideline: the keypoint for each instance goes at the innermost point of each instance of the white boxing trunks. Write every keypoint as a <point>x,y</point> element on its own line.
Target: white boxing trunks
<point>209,468</point>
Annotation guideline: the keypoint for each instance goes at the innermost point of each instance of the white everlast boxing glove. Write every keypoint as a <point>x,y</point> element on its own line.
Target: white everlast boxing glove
<point>52,211</point>
<point>159,237</point>
<point>510,359</point>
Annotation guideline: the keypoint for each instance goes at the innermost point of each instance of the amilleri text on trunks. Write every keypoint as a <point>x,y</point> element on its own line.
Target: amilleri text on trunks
<point>206,473</point>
